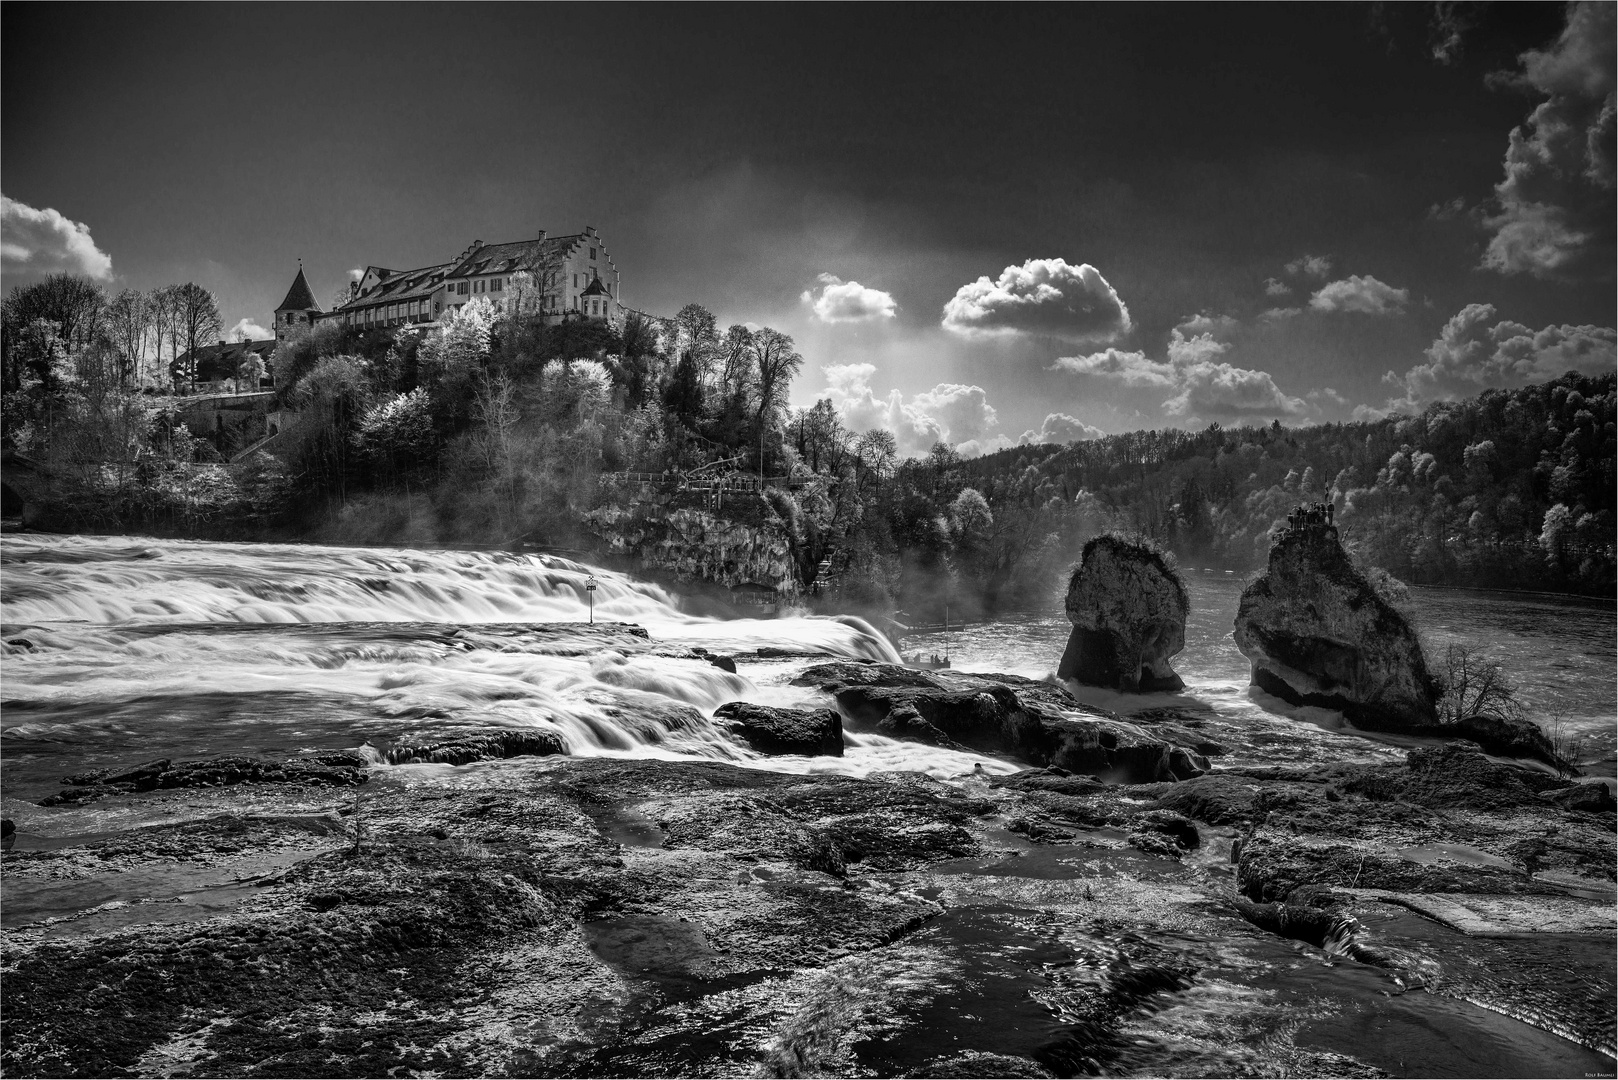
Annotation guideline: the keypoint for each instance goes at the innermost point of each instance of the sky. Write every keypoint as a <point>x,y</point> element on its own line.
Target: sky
<point>982,224</point>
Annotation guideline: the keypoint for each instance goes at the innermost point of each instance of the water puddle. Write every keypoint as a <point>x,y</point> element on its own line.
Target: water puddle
<point>1434,854</point>
<point>168,894</point>
<point>625,825</point>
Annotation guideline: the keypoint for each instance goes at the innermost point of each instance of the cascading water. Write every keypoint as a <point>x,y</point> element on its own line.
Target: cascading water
<point>120,647</point>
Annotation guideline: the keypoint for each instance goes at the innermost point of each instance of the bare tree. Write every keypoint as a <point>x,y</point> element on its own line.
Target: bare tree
<point>199,321</point>
<point>129,325</point>
<point>164,304</point>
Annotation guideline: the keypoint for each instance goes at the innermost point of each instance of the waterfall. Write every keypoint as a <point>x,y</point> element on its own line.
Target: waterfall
<point>142,647</point>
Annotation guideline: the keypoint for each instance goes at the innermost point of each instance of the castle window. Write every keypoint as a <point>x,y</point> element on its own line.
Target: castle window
<point>592,253</point>
<point>575,281</point>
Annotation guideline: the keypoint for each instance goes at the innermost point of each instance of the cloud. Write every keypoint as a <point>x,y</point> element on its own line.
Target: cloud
<point>841,301</point>
<point>1042,296</point>
<point>972,448</point>
<point>1129,368</point>
<point>949,412</point>
<point>1447,211</point>
<point>1450,22</point>
<point>964,411</point>
<point>1205,387</point>
<point>1272,287</point>
<point>1220,326</point>
<point>1475,350</point>
<point>1328,395</point>
<point>1555,203</point>
<point>356,273</point>
<point>248,330</point>
<point>1365,295</point>
<point>1310,266</point>
<point>1062,429</point>
<point>1276,314</point>
<point>44,242</point>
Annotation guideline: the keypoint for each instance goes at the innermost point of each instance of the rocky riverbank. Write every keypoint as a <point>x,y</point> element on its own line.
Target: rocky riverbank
<point>1141,899</point>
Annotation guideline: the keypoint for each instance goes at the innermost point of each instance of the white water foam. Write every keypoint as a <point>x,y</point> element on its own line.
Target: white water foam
<point>195,648</point>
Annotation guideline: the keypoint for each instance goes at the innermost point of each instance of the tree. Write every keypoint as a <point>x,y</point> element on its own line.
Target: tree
<point>72,307</point>
<point>776,362</point>
<point>163,305</point>
<point>250,371</point>
<point>129,325</point>
<point>199,322</point>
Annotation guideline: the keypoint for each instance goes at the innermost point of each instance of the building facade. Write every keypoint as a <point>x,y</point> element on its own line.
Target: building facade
<point>558,277</point>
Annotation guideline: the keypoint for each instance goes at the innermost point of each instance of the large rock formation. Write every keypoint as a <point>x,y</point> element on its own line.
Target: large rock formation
<point>1128,609</point>
<point>1317,633</point>
<point>770,730</point>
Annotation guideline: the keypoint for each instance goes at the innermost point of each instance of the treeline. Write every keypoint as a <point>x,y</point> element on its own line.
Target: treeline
<point>501,425</point>
<point>1510,489</point>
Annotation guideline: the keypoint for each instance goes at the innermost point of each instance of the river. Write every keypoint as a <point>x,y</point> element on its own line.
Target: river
<point>124,647</point>
<point>121,649</point>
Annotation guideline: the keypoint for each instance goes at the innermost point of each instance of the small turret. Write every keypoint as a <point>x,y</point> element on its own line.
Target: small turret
<point>297,312</point>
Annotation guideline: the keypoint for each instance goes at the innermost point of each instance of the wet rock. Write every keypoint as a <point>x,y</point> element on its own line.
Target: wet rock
<point>770,730</point>
<point>342,768</point>
<point>8,834</point>
<point>1128,608</point>
<point>986,1066</point>
<point>718,660</point>
<point>1316,632</point>
<point>1592,797</point>
<point>1185,764</point>
<point>1037,723</point>
<point>1508,737</point>
<point>478,746</point>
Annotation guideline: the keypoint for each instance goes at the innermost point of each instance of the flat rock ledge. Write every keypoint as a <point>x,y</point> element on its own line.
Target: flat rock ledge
<point>557,916</point>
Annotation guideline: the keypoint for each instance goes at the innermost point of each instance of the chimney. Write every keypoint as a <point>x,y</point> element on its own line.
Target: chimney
<point>222,343</point>
<point>353,289</point>
<point>542,235</point>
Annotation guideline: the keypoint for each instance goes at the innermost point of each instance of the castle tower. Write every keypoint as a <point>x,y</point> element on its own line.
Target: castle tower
<point>297,312</point>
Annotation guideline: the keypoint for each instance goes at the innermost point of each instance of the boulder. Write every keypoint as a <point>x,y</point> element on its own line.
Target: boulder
<point>1317,633</point>
<point>1128,609</point>
<point>1507,736</point>
<point>783,731</point>
<point>459,749</point>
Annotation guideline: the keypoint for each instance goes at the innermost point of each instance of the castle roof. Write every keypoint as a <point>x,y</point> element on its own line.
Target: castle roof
<point>595,288</point>
<point>510,257</point>
<point>299,297</point>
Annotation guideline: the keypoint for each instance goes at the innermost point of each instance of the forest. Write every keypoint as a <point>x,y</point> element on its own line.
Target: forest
<point>499,426</point>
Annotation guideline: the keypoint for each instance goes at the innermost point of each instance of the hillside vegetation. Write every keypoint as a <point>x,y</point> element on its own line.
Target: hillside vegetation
<point>500,427</point>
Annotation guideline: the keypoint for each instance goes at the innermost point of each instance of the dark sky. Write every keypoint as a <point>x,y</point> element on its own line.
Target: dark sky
<point>731,155</point>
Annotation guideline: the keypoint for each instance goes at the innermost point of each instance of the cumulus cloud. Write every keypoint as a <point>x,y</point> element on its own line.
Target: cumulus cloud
<point>1274,287</point>
<point>1317,266</point>
<point>1476,350</point>
<point>972,448</point>
<point>1277,314</point>
<point>839,301</point>
<point>949,412</point>
<point>1205,386</point>
<point>1220,326</point>
<point>1129,368</point>
<point>1448,211</point>
<point>356,273</point>
<point>45,242</point>
<point>1062,429</point>
<point>1555,203</point>
<point>248,330</point>
<point>1042,296</point>
<point>1365,295</point>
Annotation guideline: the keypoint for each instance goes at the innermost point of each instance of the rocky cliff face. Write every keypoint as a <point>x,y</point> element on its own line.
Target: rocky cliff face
<point>698,545</point>
<point>1128,610</point>
<point>1317,633</point>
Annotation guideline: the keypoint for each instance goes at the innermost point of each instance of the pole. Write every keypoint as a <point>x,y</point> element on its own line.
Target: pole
<point>590,592</point>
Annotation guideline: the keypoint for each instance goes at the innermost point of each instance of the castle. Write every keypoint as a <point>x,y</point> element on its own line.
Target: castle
<point>560,277</point>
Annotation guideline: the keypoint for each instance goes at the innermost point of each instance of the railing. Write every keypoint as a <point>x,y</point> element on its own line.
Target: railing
<point>692,482</point>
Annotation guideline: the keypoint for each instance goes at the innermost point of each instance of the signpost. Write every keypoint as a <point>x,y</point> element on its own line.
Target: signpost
<point>590,591</point>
